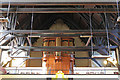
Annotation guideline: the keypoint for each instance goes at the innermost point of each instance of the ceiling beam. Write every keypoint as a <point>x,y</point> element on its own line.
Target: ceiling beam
<point>116,35</point>
<point>58,48</point>
<point>88,41</point>
<point>61,35</point>
<point>29,41</point>
<point>58,2</point>
<point>114,39</point>
<point>6,39</point>
<point>3,36</point>
<point>53,33</point>
<point>99,31</point>
<point>59,10</point>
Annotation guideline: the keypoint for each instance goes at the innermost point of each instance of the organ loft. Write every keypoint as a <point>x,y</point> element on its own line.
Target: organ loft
<point>59,60</point>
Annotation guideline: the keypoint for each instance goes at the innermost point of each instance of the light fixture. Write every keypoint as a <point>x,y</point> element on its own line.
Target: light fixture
<point>115,62</point>
<point>118,19</point>
<point>105,62</point>
<point>112,60</point>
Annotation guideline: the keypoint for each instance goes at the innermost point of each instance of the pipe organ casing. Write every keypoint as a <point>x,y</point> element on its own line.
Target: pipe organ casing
<point>59,60</point>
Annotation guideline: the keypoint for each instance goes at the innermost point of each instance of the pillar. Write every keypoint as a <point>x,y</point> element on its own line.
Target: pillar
<point>58,43</point>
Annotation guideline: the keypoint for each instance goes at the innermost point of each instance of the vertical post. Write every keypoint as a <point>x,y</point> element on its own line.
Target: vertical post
<point>58,43</point>
<point>118,58</point>
<point>0,54</point>
<point>1,28</point>
<point>0,7</point>
<point>44,59</point>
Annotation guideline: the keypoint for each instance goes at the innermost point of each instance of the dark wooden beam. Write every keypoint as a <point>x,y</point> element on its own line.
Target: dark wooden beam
<point>28,39</point>
<point>58,48</point>
<point>58,3</point>
<point>114,40</point>
<point>116,35</point>
<point>102,51</point>
<point>53,33</point>
<point>59,10</point>
<point>88,41</point>
<point>99,31</point>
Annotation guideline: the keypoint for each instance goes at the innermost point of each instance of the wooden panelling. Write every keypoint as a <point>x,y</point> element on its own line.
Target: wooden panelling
<point>82,62</point>
<point>34,63</point>
<point>35,54</point>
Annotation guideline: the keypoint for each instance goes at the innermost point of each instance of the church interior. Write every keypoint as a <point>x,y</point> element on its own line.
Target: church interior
<point>59,39</point>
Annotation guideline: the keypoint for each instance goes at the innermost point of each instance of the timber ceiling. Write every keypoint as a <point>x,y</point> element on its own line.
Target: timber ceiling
<point>78,16</point>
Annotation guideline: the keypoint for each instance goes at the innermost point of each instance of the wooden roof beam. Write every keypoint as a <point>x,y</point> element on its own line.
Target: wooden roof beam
<point>59,10</point>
